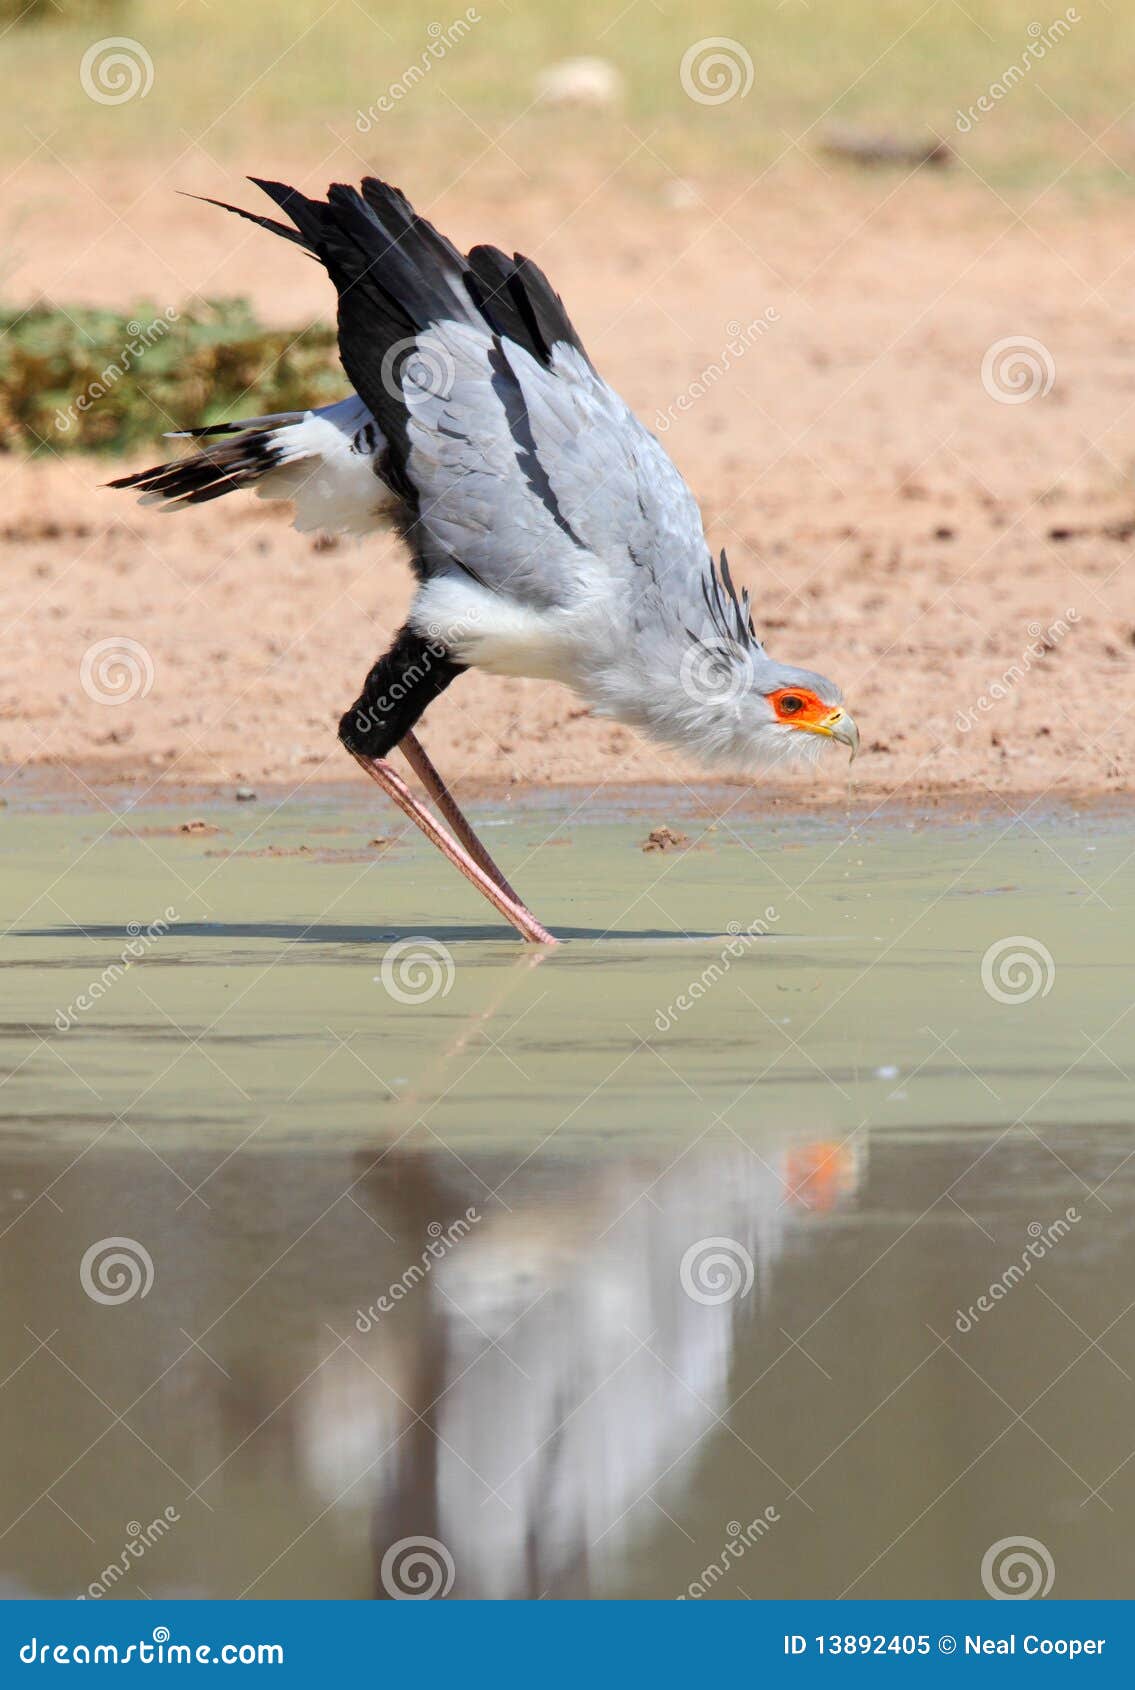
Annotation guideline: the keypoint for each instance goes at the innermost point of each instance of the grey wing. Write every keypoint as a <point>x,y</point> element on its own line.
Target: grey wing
<point>482,498</point>
<point>623,493</point>
<point>614,484</point>
<point>542,483</point>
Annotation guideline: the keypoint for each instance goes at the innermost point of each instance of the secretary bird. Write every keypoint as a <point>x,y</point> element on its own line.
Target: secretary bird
<point>550,534</point>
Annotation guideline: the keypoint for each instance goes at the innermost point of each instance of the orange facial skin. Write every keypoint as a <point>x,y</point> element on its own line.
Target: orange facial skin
<point>800,708</point>
<point>818,1175</point>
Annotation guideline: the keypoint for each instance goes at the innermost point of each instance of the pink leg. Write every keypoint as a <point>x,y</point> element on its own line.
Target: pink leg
<point>415,754</point>
<point>395,787</point>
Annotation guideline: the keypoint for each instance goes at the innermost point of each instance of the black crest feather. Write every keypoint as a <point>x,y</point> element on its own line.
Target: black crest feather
<point>729,611</point>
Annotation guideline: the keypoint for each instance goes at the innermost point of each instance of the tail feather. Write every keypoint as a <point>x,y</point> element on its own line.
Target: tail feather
<point>268,223</point>
<point>328,462</point>
<point>306,214</point>
<point>207,429</point>
<point>236,462</point>
<point>395,275</point>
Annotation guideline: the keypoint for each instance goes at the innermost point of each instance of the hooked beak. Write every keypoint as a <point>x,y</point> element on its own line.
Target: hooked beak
<point>839,725</point>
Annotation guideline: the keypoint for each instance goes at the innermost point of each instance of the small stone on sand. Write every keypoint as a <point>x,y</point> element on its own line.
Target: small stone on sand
<point>581,82</point>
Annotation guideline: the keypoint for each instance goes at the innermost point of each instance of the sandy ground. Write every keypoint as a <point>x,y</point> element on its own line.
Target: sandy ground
<point>903,531</point>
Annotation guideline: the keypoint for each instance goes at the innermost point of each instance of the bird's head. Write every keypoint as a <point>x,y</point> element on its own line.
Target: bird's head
<point>743,710</point>
<point>739,705</point>
<point>728,702</point>
<point>801,711</point>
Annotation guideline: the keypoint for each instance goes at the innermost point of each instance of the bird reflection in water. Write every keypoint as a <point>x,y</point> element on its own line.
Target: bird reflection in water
<point>563,1361</point>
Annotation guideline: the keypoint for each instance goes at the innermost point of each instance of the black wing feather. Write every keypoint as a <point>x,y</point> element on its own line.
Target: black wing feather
<point>517,299</point>
<point>395,275</point>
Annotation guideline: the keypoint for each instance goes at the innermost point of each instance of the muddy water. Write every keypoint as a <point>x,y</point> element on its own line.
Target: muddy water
<point>773,1237</point>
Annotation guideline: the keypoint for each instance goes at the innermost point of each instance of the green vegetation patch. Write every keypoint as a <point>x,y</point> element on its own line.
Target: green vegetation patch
<point>88,380</point>
<point>52,11</point>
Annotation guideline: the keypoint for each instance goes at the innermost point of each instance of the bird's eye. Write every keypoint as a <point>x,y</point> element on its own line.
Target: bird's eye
<point>790,705</point>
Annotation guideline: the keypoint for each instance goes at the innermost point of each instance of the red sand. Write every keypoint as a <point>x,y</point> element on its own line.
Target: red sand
<point>923,544</point>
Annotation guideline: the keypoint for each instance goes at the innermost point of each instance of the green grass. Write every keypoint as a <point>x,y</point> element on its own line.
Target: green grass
<point>284,78</point>
<point>29,12</point>
<point>98,381</point>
